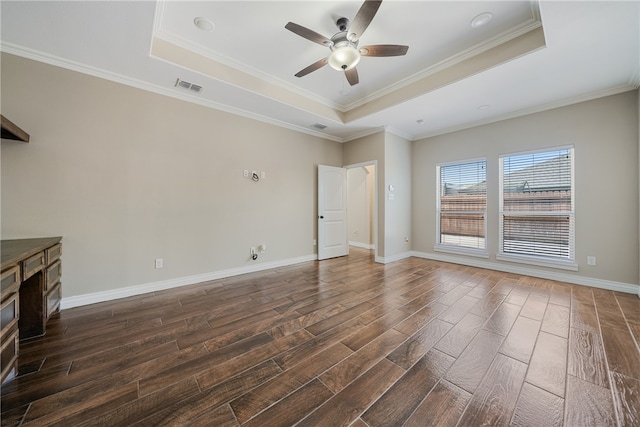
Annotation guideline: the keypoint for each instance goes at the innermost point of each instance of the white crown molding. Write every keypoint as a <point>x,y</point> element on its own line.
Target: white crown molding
<point>34,55</point>
<point>96,297</point>
<point>362,134</point>
<point>544,274</point>
<point>463,55</point>
<point>397,132</point>
<point>532,110</point>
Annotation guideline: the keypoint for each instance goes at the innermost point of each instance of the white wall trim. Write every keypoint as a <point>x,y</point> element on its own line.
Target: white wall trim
<point>551,275</point>
<point>362,245</point>
<point>393,258</point>
<point>96,297</point>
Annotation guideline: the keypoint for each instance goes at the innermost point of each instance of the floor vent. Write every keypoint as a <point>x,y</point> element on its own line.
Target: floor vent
<point>318,126</point>
<point>189,86</point>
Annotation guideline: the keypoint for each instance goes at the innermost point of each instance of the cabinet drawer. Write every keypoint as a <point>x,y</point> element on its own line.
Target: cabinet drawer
<point>53,300</point>
<point>53,253</point>
<point>10,280</point>
<point>53,273</point>
<point>32,265</point>
<point>9,354</point>
<point>9,314</point>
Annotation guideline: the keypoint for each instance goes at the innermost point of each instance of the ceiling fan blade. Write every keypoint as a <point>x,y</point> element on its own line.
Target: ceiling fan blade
<point>352,76</point>
<point>363,18</point>
<point>311,68</point>
<point>308,34</point>
<point>384,50</point>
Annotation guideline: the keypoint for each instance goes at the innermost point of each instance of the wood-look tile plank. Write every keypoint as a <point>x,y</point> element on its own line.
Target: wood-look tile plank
<point>588,405</point>
<point>586,357</point>
<point>374,329</point>
<point>294,407</point>
<point>138,409</point>
<point>346,406</point>
<point>343,373</point>
<point>626,399</point>
<point>454,295</point>
<point>609,312</point>
<point>495,399</point>
<point>443,406</point>
<point>503,318</point>
<point>630,306</point>
<point>219,417</point>
<point>556,320</point>
<point>622,356</point>
<point>339,318</point>
<point>488,304</point>
<point>161,379</point>
<point>458,309</point>
<point>537,407</point>
<point>80,403</point>
<point>469,369</point>
<point>221,372</point>
<point>263,396</point>
<point>182,412</point>
<point>420,318</point>
<point>534,307</point>
<point>413,386</point>
<point>458,337</point>
<point>583,316</point>
<point>521,339</point>
<point>419,344</point>
<point>548,367</point>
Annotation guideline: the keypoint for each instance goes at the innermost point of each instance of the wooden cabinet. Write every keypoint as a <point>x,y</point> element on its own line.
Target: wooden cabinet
<point>31,293</point>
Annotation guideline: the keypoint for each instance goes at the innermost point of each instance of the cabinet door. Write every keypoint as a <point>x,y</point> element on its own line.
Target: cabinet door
<point>9,355</point>
<point>10,280</point>
<point>53,273</point>
<point>9,313</point>
<point>53,300</point>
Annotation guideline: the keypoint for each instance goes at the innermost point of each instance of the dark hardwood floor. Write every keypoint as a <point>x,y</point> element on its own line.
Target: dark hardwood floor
<point>336,343</point>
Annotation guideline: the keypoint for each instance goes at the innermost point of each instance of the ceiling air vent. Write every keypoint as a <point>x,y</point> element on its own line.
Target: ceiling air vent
<point>189,86</point>
<point>318,126</point>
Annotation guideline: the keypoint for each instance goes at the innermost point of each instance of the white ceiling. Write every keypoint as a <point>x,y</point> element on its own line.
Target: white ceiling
<point>591,49</point>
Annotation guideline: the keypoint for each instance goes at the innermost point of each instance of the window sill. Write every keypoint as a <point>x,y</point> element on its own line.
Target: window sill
<point>459,250</point>
<point>540,262</point>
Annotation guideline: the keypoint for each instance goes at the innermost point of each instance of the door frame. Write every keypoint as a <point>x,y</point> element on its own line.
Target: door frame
<point>373,163</point>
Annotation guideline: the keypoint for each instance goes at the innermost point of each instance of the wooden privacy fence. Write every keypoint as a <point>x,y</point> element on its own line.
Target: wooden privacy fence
<point>454,219</point>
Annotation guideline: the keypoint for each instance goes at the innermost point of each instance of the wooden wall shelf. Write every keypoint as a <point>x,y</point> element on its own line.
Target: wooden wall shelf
<point>11,131</point>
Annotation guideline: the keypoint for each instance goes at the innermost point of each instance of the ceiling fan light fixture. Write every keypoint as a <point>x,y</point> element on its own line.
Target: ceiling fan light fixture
<point>344,58</point>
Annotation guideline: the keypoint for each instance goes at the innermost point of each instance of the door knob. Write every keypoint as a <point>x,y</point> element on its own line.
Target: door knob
<point>321,217</point>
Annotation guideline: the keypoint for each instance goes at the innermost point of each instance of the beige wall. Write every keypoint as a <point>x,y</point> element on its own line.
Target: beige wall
<point>127,176</point>
<point>397,201</point>
<point>605,135</point>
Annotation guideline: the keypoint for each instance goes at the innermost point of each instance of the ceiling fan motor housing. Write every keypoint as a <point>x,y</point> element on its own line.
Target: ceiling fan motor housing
<point>342,24</point>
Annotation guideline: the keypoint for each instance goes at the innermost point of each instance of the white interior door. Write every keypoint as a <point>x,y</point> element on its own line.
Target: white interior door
<point>332,212</point>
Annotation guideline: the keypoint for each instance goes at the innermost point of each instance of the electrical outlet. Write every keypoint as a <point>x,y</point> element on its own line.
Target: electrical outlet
<point>262,248</point>
<point>253,251</point>
<point>245,173</point>
<point>159,263</point>
<point>591,260</point>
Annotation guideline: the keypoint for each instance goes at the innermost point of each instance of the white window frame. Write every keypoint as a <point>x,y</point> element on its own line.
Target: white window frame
<point>541,261</point>
<point>456,249</point>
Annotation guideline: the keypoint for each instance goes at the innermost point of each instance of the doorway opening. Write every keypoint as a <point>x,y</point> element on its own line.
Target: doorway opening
<point>362,212</point>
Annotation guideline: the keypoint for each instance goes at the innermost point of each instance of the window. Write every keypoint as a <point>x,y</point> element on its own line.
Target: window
<point>462,206</point>
<point>537,208</point>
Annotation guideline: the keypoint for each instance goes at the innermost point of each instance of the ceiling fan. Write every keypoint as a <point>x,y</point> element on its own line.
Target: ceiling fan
<point>345,53</point>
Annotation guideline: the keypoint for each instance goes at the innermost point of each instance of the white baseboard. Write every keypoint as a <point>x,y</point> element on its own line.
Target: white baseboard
<point>361,245</point>
<point>534,272</point>
<point>96,297</point>
<point>393,258</point>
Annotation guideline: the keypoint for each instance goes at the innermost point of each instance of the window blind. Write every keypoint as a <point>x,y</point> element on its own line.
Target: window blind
<point>536,204</point>
<point>462,204</point>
